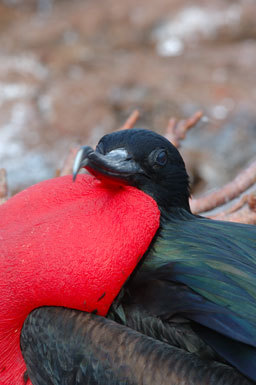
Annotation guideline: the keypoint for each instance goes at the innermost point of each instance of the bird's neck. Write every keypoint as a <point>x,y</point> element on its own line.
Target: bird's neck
<point>170,215</point>
<point>175,196</point>
<point>173,199</point>
<point>168,239</point>
<point>175,208</point>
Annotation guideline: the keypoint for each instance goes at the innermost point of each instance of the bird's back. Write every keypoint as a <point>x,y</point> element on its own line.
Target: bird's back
<point>204,271</point>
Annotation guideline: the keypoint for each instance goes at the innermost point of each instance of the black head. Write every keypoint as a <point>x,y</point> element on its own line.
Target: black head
<point>143,159</point>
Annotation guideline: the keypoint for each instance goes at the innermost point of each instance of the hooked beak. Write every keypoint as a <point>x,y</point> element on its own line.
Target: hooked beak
<point>81,160</point>
<point>117,164</point>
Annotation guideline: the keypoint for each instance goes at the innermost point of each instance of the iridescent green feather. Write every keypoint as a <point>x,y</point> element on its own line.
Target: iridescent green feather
<point>215,259</point>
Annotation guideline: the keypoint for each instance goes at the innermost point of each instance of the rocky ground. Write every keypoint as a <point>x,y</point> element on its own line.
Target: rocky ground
<point>72,71</point>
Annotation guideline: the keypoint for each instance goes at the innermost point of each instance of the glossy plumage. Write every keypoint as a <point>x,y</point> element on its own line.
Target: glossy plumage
<point>198,269</point>
<point>192,299</point>
<point>67,347</point>
<point>215,262</point>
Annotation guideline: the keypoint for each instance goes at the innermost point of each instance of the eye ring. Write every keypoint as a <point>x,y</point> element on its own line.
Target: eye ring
<point>161,158</point>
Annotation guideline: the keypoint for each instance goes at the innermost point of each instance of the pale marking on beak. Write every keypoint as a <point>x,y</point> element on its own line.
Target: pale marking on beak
<point>78,163</point>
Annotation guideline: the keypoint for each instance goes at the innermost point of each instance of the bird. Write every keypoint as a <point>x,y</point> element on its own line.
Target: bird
<point>198,275</point>
<point>160,328</point>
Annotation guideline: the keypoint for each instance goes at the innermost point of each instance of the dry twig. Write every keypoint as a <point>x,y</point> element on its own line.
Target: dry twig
<point>132,119</point>
<point>68,163</point>
<point>241,183</point>
<point>243,211</point>
<point>3,186</point>
<point>177,130</point>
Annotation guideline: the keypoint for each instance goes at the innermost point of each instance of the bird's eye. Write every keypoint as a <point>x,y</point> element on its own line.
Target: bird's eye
<point>161,158</point>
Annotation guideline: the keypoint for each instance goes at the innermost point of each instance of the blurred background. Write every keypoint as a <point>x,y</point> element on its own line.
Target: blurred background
<point>71,71</point>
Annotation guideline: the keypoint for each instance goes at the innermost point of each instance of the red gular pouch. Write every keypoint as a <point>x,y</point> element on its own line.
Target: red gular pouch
<point>67,244</point>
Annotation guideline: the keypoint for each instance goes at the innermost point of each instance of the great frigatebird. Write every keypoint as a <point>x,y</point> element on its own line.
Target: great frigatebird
<point>63,346</point>
<point>199,275</point>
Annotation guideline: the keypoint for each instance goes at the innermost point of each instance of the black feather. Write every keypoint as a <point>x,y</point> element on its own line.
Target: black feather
<point>203,271</point>
<point>68,347</point>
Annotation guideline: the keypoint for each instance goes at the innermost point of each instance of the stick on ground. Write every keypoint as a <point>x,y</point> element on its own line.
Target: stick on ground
<point>3,186</point>
<point>130,122</point>
<point>241,183</point>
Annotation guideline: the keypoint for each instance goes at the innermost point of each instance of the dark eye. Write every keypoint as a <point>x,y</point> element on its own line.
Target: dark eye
<point>161,158</point>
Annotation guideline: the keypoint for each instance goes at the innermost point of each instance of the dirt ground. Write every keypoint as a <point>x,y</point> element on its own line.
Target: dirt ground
<point>71,71</point>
